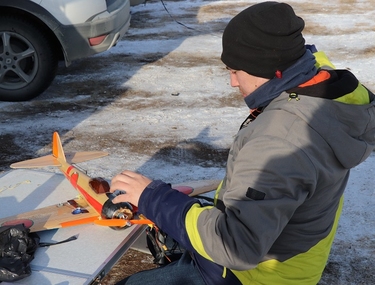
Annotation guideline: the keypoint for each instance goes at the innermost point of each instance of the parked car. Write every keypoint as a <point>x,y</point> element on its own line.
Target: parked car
<point>36,34</point>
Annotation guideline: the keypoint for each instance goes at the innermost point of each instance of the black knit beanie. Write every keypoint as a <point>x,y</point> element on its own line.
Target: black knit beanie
<point>263,40</point>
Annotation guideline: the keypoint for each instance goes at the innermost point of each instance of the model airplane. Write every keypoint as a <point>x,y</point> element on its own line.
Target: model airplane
<point>94,203</point>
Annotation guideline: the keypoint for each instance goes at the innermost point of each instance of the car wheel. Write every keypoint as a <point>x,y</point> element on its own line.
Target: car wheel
<point>28,63</point>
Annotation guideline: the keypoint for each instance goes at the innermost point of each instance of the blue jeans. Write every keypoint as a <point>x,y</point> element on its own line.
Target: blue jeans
<point>180,272</point>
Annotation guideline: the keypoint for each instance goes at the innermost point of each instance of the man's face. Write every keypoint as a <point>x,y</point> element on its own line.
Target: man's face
<point>245,82</point>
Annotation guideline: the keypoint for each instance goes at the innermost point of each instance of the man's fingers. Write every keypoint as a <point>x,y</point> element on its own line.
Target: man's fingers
<point>120,181</point>
<point>119,199</point>
<point>132,183</point>
<point>131,174</point>
<point>118,185</point>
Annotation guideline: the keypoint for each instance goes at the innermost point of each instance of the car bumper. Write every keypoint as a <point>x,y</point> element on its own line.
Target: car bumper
<point>137,2</point>
<point>77,45</point>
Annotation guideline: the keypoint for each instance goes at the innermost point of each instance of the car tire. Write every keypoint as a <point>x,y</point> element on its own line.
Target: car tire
<point>28,61</point>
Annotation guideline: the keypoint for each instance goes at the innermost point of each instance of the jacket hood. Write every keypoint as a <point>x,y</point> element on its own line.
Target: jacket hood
<point>348,129</point>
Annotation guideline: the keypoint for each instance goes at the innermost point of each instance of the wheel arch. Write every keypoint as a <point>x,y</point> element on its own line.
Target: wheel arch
<point>40,17</point>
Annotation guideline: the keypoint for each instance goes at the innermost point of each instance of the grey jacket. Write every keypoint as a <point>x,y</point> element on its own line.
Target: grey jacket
<point>286,174</point>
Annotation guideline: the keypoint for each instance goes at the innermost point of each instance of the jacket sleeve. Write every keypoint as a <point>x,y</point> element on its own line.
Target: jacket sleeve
<point>167,208</point>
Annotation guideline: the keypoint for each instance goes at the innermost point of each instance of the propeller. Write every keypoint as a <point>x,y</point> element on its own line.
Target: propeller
<point>121,222</point>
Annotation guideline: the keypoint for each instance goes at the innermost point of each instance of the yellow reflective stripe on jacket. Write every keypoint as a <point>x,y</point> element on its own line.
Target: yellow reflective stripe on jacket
<point>218,191</point>
<point>322,60</point>
<point>191,221</point>
<point>296,270</point>
<point>358,97</point>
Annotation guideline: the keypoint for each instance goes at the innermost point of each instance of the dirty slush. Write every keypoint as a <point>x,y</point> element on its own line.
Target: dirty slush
<point>80,92</point>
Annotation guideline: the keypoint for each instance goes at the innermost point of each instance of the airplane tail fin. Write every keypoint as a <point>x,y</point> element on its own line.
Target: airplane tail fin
<point>57,149</point>
<point>58,156</point>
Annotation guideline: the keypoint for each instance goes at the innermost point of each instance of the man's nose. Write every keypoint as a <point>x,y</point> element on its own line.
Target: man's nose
<point>233,80</point>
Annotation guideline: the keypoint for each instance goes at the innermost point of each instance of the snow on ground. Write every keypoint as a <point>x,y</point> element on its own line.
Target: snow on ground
<point>163,91</point>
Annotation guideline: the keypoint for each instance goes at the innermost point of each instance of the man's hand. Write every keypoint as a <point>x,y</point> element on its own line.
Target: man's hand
<point>132,184</point>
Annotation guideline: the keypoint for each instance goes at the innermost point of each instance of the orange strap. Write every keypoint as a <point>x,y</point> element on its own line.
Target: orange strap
<point>79,222</point>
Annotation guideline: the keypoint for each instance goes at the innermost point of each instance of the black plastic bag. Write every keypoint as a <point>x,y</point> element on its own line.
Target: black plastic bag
<point>17,248</point>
